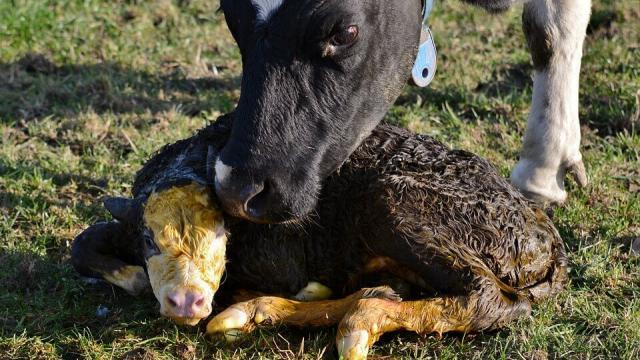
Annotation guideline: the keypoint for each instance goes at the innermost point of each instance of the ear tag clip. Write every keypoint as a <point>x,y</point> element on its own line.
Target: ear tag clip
<point>424,69</point>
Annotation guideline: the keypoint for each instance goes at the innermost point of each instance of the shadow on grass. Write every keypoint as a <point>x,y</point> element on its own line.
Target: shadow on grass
<point>34,87</point>
<point>489,101</point>
<point>512,84</point>
<point>86,186</point>
<point>46,298</point>
<point>43,296</point>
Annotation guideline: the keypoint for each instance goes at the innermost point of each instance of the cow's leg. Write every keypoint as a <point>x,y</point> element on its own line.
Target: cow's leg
<point>555,31</point>
<point>244,317</point>
<point>368,319</point>
<point>93,254</point>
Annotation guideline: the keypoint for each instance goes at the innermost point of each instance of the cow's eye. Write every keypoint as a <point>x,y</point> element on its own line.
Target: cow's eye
<point>344,36</point>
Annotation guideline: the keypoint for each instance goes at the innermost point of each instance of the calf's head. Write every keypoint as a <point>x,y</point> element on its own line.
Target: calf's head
<point>318,76</point>
<point>191,242</point>
<point>183,243</point>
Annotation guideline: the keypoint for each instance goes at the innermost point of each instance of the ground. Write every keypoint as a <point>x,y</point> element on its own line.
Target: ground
<point>89,89</point>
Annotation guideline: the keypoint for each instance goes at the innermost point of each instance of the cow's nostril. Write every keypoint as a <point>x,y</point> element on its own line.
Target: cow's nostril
<point>250,194</point>
<point>256,206</point>
<point>248,200</point>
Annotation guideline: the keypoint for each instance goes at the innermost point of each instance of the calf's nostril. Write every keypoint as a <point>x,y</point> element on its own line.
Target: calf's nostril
<point>194,301</point>
<point>172,300</point>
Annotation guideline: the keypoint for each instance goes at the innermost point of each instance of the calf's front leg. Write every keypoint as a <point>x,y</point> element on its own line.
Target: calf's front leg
<point>244,317</point>
<point>555,32</point>
<point>94,254</point>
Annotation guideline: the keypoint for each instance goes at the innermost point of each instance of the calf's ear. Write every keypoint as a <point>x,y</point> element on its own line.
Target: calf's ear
<point>123,209</point>
<point>212,157</point>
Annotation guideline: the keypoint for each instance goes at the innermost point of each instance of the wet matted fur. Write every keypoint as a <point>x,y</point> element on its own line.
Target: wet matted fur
<point>441,227</point>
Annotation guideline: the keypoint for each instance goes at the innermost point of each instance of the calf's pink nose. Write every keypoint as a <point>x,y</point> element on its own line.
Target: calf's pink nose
<point>187,304</point>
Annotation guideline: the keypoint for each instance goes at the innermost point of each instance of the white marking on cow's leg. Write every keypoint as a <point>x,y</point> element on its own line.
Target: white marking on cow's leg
<point>555,31</point>
<point>222,172</point>
<point>266,8</point>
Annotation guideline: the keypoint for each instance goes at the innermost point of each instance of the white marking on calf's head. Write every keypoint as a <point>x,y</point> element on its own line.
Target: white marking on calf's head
<point>266,8</point>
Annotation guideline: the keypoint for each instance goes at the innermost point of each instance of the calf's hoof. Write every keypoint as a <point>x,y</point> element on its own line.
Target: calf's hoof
<point>231,323</point>
<point>244,317</point>
<point>353,346</point>
<point>133,279</point>
<point>233,319</point>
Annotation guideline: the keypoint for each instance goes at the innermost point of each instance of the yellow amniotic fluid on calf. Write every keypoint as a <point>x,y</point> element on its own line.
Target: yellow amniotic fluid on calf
<point>189,232</point>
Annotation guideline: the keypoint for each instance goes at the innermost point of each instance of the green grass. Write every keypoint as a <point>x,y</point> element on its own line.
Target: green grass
<point>90,88</point>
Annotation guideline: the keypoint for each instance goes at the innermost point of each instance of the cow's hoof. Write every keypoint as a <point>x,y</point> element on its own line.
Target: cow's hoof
<point>579,173</point>
<point>546,185</point>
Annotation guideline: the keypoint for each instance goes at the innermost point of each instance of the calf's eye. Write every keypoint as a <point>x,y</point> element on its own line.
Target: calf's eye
<point>344,36</point>
<point>151,248</point>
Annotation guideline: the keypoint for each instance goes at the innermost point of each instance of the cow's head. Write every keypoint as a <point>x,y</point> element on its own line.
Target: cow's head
<point>183,243</point>
<point>318,76</point>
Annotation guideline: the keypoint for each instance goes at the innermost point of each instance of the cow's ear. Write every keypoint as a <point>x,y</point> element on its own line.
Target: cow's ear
<point>122,209</point>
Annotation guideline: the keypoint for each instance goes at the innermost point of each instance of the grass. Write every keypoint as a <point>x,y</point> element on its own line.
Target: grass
<point>89,89</point>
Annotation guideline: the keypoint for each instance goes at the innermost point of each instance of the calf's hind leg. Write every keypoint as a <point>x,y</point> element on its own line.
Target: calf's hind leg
<point>368,319</point>
<point>94,253</point>
<point>555,32</point>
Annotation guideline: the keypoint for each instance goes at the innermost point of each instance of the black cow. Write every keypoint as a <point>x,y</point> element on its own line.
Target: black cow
<point>318,76</point>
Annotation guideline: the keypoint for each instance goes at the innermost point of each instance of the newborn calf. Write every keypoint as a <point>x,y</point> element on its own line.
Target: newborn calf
<point>464,249</point>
